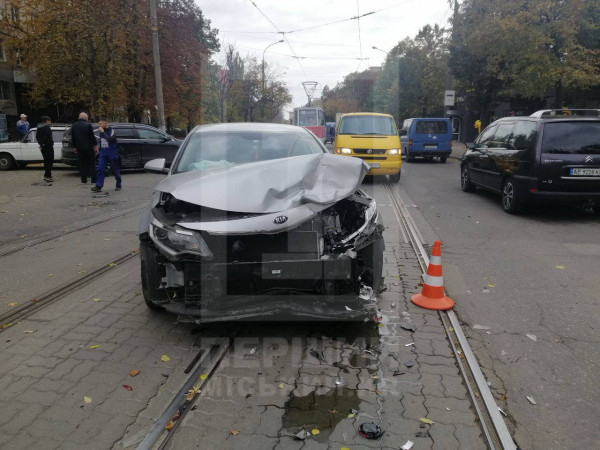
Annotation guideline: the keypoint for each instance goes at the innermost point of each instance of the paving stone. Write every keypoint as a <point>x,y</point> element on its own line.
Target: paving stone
<point>469,437</point>
<point>443,437</point>
<point>288,443</point>
<point>454,386</point>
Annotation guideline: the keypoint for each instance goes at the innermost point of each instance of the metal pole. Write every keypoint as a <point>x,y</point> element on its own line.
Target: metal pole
<point>157,74</point>
<point>263,65</point>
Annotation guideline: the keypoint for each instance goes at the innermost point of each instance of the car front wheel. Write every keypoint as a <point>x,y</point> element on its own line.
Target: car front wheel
<point>465,180</point>
<point>510,200</point>
<point>7,162</point>
<point>443,159</point>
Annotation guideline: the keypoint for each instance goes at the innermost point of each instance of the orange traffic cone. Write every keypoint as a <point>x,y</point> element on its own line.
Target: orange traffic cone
<point>432,296</point>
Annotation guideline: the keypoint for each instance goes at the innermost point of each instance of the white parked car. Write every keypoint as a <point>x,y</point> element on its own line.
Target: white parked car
<point>27,151</point>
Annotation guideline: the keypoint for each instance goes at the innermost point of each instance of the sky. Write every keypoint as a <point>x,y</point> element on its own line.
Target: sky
<point>325,54</point>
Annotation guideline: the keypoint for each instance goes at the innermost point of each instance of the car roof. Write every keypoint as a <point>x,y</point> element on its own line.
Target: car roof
<point>249,127</point>
<point>367,114</point>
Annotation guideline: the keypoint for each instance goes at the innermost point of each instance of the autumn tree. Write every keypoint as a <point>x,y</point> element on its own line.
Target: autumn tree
<point>526,48</point>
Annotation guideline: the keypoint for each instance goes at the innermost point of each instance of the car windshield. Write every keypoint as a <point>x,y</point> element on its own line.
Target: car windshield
<point>432,127</point>
<point>571,137</point>
<point>207,150</point>
<point>380,125</point>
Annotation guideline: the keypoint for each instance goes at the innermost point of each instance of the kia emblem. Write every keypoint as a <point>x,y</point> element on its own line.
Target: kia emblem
<point>280,219</point>
<point>369,151</point>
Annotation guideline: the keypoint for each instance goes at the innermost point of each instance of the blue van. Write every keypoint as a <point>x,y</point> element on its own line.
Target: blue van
<point>427,137</point>
<point>329,132</point>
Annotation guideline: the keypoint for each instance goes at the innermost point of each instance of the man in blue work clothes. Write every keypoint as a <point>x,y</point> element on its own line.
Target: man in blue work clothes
<point>109,155</point>
<point>23,126</point>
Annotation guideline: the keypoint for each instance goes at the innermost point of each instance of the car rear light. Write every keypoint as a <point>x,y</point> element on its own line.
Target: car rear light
<point>409,144</point>
<point>533,189</point>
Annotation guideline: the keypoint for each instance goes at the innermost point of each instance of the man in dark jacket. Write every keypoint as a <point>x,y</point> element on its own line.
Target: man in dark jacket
<point>44,139</point>
<point>85,146</point>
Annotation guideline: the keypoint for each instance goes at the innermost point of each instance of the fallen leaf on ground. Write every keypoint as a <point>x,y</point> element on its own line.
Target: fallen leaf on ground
<point>491,285</point>
<point>92,347</point>
<point>96,299</point>
<point>165,358</point>
<point>29,331</point>
<point>332,411</point>
<point>87,399</point>
<point>344,448</point>
<point>169,426</point>
<point>560,267</point>
<point>234,432</point>
<point>351,416</point>
<point>129,388</point>
<point>281,386</point>
<point>13,304</point>
<point>204,376</point>
<point>50,274</point>
<point>134,372</point>
<point>315,431</point>
<point>426,420</point>
<point>6,325</point>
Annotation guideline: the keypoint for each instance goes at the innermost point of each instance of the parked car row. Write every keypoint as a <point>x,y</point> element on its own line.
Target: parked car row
<point>137,143</point>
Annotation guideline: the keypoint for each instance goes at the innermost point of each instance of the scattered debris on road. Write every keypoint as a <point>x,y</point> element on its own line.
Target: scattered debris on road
<point>531,400</point>
<point>370,431</point>
<point>533,337</point>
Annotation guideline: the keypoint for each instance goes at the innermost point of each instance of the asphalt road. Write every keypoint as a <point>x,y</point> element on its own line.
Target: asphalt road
<point>533,274</point>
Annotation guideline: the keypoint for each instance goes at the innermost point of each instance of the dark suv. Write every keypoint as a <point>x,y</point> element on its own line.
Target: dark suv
<point>137,144</point>
<point>550,156</point>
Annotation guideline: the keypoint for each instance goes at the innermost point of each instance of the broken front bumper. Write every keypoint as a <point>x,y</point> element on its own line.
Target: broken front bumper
<point>270,290</point>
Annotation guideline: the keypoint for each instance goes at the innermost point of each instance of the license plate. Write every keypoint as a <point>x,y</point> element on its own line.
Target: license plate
<point>585,172</point>
<point>430,146</point>
<point>374,165</point>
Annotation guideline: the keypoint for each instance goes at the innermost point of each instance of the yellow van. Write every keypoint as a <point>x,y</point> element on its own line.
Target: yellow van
<point>372,137</point>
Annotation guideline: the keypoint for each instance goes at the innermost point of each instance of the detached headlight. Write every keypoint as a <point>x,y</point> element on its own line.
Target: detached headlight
<point>343,151</point>
<point>393,151</point>
<point>175,240</point>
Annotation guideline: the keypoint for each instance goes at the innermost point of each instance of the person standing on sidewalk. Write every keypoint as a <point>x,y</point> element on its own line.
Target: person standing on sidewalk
<point>44,139</point>
<point>85,147</point>
<point>109,155</point>
<point>23,126</point>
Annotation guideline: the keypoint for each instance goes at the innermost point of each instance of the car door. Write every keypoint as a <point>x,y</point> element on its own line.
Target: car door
<point>57,137</point>
<point>30,149</point>
<point>494,167</point>
<point>155,144</point>
<point>129,148</point>
<point>478,157</point>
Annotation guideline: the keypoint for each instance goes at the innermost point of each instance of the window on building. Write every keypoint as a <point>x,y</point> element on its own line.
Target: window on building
<point>2,52</point>
<point>4,90</point>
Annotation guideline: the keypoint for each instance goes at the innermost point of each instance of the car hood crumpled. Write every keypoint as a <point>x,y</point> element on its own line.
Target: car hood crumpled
<point>270,186</point>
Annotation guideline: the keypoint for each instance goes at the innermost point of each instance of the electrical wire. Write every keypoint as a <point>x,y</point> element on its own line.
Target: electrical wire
<point>358,23</point>
<point>284,37</point>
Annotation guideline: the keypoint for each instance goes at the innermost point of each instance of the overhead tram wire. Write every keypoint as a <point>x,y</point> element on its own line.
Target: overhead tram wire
<point>284,37</point>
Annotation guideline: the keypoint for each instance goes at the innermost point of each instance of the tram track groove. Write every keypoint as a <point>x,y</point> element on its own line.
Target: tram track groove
<point>472,375</point>
<point>25,310</point>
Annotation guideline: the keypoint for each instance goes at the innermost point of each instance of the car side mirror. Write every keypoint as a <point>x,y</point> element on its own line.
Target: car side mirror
<point>470,145</point>
<point>156,166</point>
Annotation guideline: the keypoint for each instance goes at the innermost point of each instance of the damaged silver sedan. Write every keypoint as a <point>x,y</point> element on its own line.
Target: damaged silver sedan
<point>260,221</point>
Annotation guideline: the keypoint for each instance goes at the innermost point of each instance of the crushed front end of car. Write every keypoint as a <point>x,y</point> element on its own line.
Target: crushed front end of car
<point>274,240</point>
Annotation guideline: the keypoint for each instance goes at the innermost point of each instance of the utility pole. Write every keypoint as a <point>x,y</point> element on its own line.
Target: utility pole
<point>157,74</point>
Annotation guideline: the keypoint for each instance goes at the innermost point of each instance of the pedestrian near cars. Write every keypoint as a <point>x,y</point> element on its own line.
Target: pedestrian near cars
<point>23,126</point>
<point>85,146</point>
<point>44,139</point>
<point>109,156</point>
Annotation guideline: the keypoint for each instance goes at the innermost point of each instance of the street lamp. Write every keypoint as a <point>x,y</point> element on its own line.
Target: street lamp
<point>263,64</point>
<point>376,48</point>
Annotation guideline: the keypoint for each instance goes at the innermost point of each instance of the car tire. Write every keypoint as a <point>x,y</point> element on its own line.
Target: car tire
<point>443,159</point>
<point>151,278</point>
<point>465,180</point>
<point>7,162</point>
<point>409,158</point>
<point>395,178</point>
<point>511,202</point>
